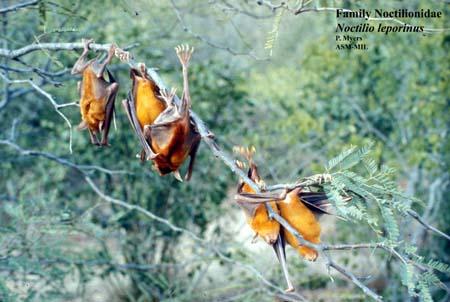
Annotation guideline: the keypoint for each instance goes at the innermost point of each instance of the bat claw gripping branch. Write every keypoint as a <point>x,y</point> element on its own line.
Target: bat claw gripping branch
<point>123,55</point>
<point>86,44</point>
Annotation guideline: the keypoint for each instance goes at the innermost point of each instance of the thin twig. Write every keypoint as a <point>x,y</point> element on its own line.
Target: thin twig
<point>18,6</point>
<point>49,97</point>
<point>11,54</point>
<point>416,216</point>
<point>207,41</point>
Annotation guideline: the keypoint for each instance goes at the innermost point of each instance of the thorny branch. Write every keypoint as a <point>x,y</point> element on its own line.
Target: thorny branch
<point>208,138</point>
<point>82,169</point>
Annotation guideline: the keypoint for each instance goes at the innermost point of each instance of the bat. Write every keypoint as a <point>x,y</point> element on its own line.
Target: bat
<point>166,132</point>
<point>97,95</point>
<point>301,210</point>
<point>258,218</point>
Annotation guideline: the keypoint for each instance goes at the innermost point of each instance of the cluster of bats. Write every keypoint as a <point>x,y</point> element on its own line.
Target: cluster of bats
<point>164,128</point>
<point>168,136</point>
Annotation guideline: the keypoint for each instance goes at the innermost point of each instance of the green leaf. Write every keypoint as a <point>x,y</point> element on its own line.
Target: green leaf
<point>390,224</point>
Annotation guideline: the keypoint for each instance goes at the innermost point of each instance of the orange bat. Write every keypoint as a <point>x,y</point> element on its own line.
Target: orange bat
<point>165,129</point>
<point>299,209</point>
<point>258,217</point>
<point>147,102</point>
<point>97,94</point>
<point>302,219</point>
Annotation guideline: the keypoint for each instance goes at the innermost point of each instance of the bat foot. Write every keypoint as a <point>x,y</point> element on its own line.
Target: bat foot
<point>123,55</point>
<point>184,53</point>
<point>87,43</point>
<point>324,178</point>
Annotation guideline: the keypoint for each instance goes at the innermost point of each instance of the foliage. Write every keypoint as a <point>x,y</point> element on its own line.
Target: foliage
<point>59,241</point>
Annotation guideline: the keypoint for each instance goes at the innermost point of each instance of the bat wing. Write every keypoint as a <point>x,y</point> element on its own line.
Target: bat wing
<point>166,126</point>
<point>258,197</point>
<point>130,109</point>
<point>195,143</point>
<point>251,201</point>
<point>318,202</point>
<point>315,201</point>
<point>162,134</point>
<point>280,251</point>
<point>110,76</point>
<point>110,104</point>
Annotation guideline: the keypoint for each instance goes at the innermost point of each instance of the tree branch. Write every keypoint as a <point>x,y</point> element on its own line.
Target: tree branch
<point>208,245</point>
<point>49,97</point>
<point>17,6</point>
<point>416,216</point>
<point>12,54</point>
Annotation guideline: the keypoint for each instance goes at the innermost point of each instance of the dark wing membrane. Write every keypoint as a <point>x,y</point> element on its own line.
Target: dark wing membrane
<point>258,197</point>
<point>110,76</point>
<point>280,252</point>
<point>316,202</point>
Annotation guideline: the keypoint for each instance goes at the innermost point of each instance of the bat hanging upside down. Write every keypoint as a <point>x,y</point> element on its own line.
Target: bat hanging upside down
<point>298,208</point>
<point>164,128</point>
<point>97,94</point>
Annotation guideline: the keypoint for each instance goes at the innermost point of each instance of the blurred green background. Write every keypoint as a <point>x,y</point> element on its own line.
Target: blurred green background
<point>59,241</point>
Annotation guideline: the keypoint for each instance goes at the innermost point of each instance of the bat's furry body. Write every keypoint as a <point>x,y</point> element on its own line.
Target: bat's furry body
<point>164,128</point>
<point>97,96</point>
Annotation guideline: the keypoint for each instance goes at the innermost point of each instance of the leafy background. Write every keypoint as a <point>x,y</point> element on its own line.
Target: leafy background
<point>304,105</point>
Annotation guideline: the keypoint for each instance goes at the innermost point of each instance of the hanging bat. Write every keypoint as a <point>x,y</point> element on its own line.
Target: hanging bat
<point>164,128</point>
<point>258,217</point>
<point>256,213</point>
<point>147,105</point>
<point>97,94</point>
<point>303,220</point>
<point>300,209</point>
